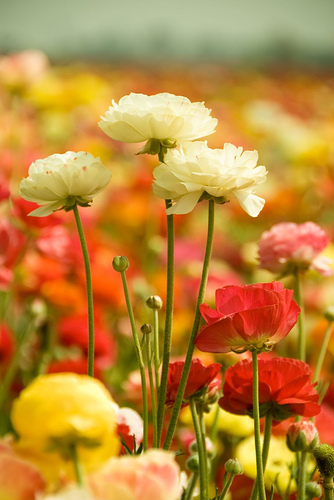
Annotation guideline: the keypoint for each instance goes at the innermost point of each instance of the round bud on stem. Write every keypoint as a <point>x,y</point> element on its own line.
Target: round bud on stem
<point>312,490</point>
<point>233,466</point>
<point>192,463</point>
<point>120,263</point>
<point>324,455</point>
<point>154,302</point>
<point>329,313</point>
<point>302,436</point>
<point>146,329</point>
<point>210,448</point>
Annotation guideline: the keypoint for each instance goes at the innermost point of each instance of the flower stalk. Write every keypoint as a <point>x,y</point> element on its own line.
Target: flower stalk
<point>121,264</point>
<point>191,346</point>
<point>203,477</point>
<point>301,319</point>
<point>89,291</point>
<point>256,417</point>
<point>168,321</point>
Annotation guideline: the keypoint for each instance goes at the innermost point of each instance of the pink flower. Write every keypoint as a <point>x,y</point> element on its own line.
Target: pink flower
<point>19,479</point>
<point>247,317</point>
<point>288,246</point>
<point>153,475</point>
<point>302,436</point>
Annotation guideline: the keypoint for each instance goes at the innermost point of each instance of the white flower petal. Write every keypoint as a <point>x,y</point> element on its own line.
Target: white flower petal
<point>251,203</point>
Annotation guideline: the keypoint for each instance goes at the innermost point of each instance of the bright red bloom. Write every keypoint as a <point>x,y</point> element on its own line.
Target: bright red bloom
<point>285,388</point>
<point>200,376</point>
<point>247,317</point>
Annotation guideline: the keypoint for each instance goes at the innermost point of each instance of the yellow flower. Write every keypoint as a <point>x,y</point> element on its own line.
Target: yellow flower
<point>59,411</point>
<point>63,180</point>
<point>279,463</point>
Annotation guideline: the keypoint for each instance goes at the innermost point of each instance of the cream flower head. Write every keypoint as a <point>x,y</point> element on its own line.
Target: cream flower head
<point>197,172</point>
<point>165,117</point>
<point>63,180</point>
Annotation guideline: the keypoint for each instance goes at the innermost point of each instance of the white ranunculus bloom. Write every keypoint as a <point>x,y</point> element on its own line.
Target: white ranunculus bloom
<point>63,180</point>
<point>197,171</point>
<point>166,117</point>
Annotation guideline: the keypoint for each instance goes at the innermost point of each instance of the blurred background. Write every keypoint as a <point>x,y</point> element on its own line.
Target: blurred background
<point>146,30</point>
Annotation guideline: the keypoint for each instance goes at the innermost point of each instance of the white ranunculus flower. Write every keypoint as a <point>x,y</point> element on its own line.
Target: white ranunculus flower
<point>63,180</point>
<point>165,117</point>
<point>197,171</point>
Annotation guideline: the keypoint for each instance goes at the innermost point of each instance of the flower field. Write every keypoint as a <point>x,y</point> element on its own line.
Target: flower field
<point>149,235</point>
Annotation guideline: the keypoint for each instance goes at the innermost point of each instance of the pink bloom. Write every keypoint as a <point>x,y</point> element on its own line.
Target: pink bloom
<point>19,479</point>
<point>153,475</point>
<point>288,246</point>
<point>302,436</point>
<point>247,317</point>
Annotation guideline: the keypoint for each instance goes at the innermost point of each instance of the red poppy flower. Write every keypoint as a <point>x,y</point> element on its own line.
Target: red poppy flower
<point>247,318</point>
<point>200,376</point>
<point>285,388</point>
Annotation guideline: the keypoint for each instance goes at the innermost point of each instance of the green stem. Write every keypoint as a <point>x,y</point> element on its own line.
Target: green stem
<point>203,480</point>
<point>227,486</point>
<point>191,486</point>
<point>203,433</point>
<point>301,319</point>
<point>214,427</point>
<point>77,465</point>
<point>152,391</point>
<point>265,449</point>
<point>156,356</point>
<point>302,475</point>
<point>191,345</point>
<point>256,417</point>
<point>322,353</point>
<point>89,292</point>
<point>140,359</point>
<point>328,488</point>
<point>168,321</point>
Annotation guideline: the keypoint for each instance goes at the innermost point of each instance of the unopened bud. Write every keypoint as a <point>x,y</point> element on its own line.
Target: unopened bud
<point>120,263</point>
<point>302,436</point>
<point>146,329</point>
<point>154,302</point>
<point>233,466</point>
<point>210,448</point>
<point>312,490</point>
<point>192,463</point>
<point>324,455</point>
<point>329,313</point>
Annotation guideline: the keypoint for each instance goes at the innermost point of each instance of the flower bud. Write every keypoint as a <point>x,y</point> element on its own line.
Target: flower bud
<point>154,302</point>
<point>120,263</point>
<point>233,466</point>
<point>312,490</point>
<point>210,448</point>
<point>146,329</point>
<point>302,436</point>
<point>324,455</point>
<point>192,463</point>
<point>329,313</point>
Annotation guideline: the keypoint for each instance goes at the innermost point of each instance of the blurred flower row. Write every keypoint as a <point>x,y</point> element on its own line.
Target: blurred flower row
<point>43,312</point>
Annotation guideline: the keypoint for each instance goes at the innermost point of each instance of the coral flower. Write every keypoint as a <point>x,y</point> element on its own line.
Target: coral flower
<point>200,377</point>
<point>285,389</point>
<point>247,317</point>
<point>288,246</point>
<point>154,474</point>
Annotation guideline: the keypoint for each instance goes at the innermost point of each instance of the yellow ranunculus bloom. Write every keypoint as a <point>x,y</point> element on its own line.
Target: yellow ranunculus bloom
<point>61,410</point>
<point>278,468</point>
